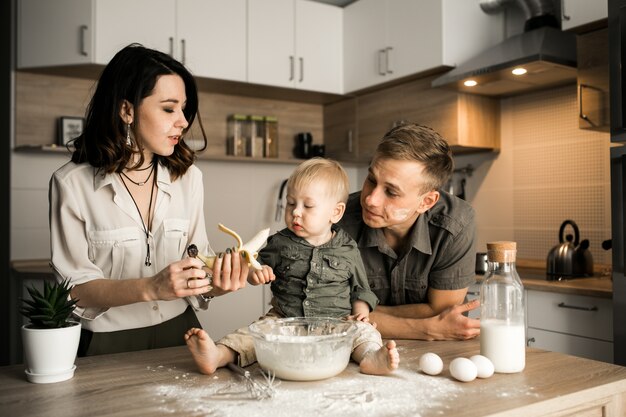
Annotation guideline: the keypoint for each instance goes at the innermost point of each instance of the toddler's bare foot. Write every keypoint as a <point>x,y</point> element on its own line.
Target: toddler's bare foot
<point>382,361</point>
<point>204,351</point>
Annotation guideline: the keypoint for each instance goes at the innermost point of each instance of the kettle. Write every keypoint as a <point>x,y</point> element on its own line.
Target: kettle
<point>571,258</point>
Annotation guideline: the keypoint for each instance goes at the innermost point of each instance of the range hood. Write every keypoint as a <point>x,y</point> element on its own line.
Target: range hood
<point>547,55</point>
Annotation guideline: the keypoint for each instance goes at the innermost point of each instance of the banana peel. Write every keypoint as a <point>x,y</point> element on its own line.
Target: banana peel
<point>249,250</point>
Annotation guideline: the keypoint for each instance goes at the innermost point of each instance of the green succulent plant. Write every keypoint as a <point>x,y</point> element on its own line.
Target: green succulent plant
<point>53,308</point>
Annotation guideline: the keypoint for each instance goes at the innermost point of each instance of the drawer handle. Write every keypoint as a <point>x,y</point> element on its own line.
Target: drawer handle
<point>563,305</point>
<point>473,293</point>
<point>530,340</point>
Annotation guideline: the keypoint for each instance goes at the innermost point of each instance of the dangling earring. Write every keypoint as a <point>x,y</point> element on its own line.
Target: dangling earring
<point>128,141</point>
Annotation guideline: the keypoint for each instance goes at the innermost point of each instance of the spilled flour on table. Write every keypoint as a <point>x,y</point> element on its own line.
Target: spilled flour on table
<point>405,392</point>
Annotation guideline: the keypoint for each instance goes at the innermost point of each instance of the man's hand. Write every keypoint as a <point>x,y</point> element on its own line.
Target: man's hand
<point>451,324</point>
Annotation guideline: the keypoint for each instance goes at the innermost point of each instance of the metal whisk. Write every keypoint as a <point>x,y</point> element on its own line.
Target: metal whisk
<point>260,390</point>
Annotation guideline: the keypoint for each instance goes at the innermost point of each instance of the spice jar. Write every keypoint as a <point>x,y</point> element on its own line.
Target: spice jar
<point>271,137</point>
<point>236,141</point>
<point>255,137</point>
<point>502,325</point>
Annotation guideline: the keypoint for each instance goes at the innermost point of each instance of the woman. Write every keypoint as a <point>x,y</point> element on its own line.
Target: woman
<point>125,208</point>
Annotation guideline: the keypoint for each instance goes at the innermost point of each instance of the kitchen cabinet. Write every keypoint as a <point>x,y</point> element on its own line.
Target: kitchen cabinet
<point>340,130</point>
<point>593,80</point>
<point>295,44</point>
<point>70,32</point>
<point>573,324</point>
<point>385,40</point>
<point>469,123</point>
<point>578,13</point>
<point>74,32</point>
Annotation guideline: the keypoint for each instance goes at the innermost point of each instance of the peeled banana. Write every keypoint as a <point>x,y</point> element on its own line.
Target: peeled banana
<point>249,250</point>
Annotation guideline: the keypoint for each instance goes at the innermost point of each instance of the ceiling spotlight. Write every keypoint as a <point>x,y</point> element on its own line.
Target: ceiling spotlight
<point>519,71</point>
<point>470,83</point>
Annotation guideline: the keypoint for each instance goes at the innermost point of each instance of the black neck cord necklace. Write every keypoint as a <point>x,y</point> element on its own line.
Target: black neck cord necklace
<point>140,183</point>
<point>146,228</point>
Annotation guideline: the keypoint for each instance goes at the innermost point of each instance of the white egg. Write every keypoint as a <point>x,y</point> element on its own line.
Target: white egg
<point>463,369</point>
<point>484,366</point>
<point>431,364</point>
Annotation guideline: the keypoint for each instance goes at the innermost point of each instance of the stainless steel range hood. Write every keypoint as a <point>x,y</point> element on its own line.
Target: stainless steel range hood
<point>547,54</point>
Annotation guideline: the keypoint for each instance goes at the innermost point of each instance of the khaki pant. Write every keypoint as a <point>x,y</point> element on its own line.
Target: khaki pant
<point>242,342</point>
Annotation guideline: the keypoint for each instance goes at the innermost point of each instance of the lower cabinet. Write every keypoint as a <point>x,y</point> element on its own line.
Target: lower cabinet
<point>572,324</point>
<point>583,347</point>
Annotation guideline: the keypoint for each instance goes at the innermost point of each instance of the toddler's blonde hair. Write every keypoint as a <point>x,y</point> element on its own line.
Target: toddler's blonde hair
<point>321,169</point>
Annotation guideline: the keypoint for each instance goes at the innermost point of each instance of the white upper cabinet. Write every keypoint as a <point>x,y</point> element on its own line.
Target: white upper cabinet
<point>207,35</point>
<point>319,47</point>
<point>211,38</point>
<point>389,39</point>
<point>295,43</point>
<point>68,32</point>
<point>575,13</point>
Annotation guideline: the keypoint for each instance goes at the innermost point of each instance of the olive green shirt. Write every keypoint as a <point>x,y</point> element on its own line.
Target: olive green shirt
<point>440,253</point>
<point>316,280</point>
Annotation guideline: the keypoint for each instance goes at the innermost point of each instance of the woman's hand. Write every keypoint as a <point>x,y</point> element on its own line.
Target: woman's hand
<point>230,272</point>
<point>264,276</point>
<point>180,279</point>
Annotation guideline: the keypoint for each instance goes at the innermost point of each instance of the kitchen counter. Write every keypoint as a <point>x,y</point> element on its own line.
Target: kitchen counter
<point>535,279</point>
<point>165,382</point>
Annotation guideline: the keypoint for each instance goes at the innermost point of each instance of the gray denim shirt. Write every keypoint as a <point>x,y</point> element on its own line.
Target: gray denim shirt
<point>441,254</point>
<point>316,280</point>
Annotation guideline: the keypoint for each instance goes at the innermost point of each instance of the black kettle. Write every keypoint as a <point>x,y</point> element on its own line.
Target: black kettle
<point>571,258</point>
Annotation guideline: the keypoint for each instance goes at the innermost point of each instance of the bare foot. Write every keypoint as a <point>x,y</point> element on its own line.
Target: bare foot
<point>382,361</point>
<point>205,352</point>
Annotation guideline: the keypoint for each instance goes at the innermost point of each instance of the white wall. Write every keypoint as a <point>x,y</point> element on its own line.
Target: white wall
<point>241,195</point>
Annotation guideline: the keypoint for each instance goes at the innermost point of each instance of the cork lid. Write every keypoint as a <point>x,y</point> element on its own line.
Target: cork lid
<point>501,251</point>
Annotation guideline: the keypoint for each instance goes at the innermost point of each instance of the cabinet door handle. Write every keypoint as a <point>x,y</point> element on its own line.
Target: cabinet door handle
<point>183,51</point>
<point>388,60</point>
<point>301,69</point>
<point>83,48</point>
<point>592,308</point>
<point>381,60</point>
<point>350,141</point>
<point>581,113</point>
<point>565,16</point>
<point>171,46</point>
<point>530,340</point>
<point>290,67</point>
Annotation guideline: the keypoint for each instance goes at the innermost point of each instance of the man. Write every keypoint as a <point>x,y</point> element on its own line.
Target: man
<point>417,242</point>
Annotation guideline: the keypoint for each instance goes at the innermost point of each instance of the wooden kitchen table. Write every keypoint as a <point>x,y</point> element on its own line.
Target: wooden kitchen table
<point>165,382</point>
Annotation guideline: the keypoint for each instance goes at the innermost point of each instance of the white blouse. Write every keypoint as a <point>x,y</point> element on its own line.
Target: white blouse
<point>96,232</point>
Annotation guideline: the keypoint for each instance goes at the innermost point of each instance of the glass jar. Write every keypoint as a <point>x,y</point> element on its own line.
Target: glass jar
<point>255,137</point>
<point>502,324</point>
<point>236,141</point>
<point>271,137</point>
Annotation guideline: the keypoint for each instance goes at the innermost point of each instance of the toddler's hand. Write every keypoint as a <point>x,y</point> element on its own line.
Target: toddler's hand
<point>364,317</point>
<point>264,276</point>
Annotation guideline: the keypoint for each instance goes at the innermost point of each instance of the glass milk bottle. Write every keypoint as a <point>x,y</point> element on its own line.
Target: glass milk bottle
<point>502,332</point>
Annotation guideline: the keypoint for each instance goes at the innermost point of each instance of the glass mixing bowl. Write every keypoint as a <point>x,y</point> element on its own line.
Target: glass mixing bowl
<point>303,348</point>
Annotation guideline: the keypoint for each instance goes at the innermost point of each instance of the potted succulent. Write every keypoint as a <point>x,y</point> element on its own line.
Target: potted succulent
<point>51,338</point>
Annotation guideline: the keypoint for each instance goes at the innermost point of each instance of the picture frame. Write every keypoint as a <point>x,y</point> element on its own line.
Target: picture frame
<point>68,128</point>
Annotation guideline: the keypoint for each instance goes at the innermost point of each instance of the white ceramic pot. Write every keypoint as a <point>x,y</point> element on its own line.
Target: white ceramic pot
<point>49,354</point>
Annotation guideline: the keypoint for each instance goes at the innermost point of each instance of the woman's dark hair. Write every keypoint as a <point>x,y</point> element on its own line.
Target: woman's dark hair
<point>132,75</point>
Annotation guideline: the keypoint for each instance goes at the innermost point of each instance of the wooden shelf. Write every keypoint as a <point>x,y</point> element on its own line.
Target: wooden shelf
<point>42,149</point>
<point>229,158</point>
<point>56,149</point>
